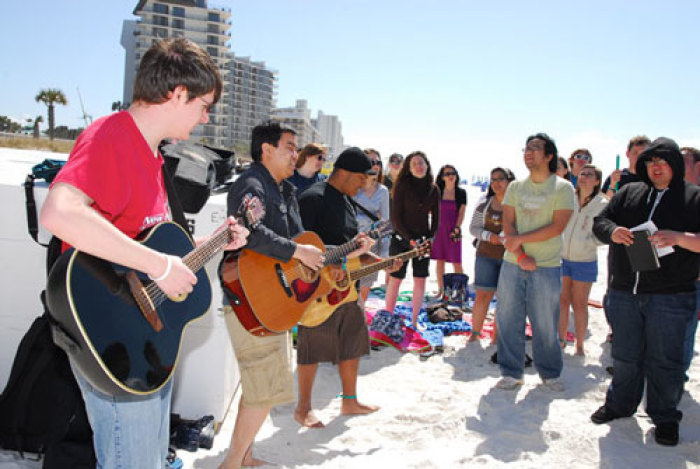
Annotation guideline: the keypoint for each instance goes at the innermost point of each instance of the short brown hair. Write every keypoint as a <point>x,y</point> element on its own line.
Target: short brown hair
<point>312,149</point>
<point>638,140</point>
<point>693,151</point>
<point>170,63</point>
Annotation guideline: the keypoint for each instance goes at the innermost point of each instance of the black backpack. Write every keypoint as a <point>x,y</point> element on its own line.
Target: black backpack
<point>41,408</point>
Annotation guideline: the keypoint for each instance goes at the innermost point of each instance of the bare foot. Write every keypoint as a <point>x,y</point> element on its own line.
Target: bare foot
<point>248,461</point>
<point>474,338</point>
<point>580,352</point>
<point>353,407</point>
<point>254,462</point>
<point>307,419</point>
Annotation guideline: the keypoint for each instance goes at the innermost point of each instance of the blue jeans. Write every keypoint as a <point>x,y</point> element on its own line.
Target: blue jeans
<point>689,346</point>
<point>648,345</point>
<point>529,294</point>
<point>128,432</point>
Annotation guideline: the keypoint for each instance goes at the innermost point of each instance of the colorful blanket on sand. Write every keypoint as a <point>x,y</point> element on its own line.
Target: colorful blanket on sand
<point>429,336</point>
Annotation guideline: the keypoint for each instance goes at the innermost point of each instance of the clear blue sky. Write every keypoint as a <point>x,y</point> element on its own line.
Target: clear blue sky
<point>465,81</point>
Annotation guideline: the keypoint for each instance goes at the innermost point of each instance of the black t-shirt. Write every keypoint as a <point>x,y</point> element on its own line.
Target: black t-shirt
<point>329,213</point>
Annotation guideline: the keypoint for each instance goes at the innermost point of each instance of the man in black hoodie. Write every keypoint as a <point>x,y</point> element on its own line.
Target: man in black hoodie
<point>652,309</point>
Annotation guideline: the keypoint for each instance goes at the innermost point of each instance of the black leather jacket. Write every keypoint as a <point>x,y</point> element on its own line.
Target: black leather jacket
<point>281,221</point>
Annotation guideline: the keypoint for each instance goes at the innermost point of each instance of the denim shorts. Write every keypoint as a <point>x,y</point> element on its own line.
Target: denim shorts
<point>486,270</point>
<point>580,271</point>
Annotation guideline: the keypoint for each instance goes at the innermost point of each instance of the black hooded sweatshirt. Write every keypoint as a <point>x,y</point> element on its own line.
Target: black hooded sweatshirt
<point>676,208</point>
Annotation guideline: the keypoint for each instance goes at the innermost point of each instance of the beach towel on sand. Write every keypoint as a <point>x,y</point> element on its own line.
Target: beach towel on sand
<point>431,336</point>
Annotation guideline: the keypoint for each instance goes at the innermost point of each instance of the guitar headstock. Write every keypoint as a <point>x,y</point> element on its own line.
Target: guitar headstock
<point>422,247</point>
<point>251,211</point>
<point>380,228</point>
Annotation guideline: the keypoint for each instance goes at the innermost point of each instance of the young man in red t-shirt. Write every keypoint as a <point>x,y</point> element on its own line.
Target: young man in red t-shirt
<point>109,191</point>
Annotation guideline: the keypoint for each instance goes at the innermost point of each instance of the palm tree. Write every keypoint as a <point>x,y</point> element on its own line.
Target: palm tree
<point>51,97</point>
<point>37,121</point>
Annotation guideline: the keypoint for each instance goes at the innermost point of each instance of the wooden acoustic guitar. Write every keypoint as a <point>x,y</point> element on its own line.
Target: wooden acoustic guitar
<point>345,291</point>
<point>122,332</point>
<point>269,296</point>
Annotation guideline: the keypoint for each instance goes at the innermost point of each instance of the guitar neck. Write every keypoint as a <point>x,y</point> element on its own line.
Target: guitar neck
<point>198,257</point>
<point>377,266</point>
<point>335,255</point>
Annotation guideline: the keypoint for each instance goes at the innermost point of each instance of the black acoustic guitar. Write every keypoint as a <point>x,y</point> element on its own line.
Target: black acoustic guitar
<point>120,330</point>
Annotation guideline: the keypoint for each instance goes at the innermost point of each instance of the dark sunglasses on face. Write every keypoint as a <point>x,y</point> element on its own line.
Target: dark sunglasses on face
<point>449,173</point>
<point>377,163</point>
<point>395,161</point>
<point>582,156</point>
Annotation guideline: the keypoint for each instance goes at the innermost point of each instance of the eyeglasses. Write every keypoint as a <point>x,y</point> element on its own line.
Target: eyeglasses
<point>656,160</point>
<point>377,163</point>
<point>533,148</point>
<point>394,161</point>
<point>582,156</point>
<point>498,179</point>
<point>586,174</point>
<point>207,106</point>
<point>449,173</point>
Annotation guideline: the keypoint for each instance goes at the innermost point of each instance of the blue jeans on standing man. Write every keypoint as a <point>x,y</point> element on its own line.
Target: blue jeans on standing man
<point>128,432</point>
<point>648,345</point>
<point>529,294</point>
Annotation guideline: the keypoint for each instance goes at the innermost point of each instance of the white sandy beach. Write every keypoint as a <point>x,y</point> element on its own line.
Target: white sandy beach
<point>442,412</point>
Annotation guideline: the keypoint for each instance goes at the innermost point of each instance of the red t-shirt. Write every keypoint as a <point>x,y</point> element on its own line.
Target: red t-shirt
<point>114,166</point>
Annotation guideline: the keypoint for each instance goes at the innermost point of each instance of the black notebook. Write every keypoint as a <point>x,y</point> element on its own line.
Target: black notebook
<point>642,254</point>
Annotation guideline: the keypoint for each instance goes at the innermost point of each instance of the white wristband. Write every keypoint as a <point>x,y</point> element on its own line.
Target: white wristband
<point>167,270</point>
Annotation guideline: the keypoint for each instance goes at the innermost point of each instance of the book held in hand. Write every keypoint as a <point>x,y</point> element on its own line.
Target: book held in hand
<point>642,254</point>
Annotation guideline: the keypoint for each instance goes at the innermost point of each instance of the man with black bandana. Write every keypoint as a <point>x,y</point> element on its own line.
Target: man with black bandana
<point>328,210</point>
<point>652,309</point>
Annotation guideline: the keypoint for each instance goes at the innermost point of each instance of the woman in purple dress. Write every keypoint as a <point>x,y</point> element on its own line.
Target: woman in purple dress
<point>447,245</point>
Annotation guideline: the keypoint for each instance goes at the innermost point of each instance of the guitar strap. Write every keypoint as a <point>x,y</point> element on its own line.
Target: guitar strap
<point>371,215</point>
<point>174,201</point>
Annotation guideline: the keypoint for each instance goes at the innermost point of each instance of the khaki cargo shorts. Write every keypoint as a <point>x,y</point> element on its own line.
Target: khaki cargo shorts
<point>265,364</point>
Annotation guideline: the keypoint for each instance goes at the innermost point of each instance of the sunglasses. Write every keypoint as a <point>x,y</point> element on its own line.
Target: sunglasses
<point>395,161</point>
<point>449,173</point>
<point>377,163</point>
<point>582,156</point>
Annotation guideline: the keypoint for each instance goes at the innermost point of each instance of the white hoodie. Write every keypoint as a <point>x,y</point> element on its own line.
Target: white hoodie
<point>579,244</point>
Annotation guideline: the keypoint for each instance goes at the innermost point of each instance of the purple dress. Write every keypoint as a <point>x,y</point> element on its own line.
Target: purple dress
<point>444,248</point>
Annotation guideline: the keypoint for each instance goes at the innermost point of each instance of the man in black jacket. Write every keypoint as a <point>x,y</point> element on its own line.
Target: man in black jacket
<point>652,309</point>
<point>265,362</point>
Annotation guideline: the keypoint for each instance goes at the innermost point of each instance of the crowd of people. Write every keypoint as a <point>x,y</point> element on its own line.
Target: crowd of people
<point>536,240</point>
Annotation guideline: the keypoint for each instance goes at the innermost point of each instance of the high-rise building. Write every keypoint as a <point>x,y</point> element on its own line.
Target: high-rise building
<point>250,97</point>
<point>194,20</point>
<point>298,118</point>
<point>331,133</point>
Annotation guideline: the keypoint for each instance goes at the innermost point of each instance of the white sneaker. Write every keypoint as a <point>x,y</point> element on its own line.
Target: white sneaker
<point>553,384</point>
<point>509,383</point>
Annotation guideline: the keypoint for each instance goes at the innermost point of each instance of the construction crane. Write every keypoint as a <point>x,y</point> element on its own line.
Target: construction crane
<point>86,117</point>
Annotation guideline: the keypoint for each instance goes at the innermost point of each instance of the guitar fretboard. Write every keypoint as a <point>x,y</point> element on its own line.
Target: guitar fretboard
<point>377,266</point>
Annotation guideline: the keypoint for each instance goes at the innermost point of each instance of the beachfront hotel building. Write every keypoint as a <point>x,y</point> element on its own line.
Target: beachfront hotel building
<point>248,87</point>
<point>331,133</point>
<point>250,97</point>
<point>298,118</point>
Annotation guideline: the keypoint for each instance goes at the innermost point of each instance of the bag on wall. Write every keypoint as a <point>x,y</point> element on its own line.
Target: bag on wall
<point>193,172</point>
